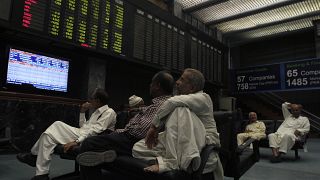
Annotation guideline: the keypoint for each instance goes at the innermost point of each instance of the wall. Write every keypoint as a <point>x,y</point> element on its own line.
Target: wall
<point>275,50</point>
<point>281,49</point>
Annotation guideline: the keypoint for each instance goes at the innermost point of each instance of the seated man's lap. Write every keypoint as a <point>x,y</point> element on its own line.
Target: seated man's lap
<point>114,141</point>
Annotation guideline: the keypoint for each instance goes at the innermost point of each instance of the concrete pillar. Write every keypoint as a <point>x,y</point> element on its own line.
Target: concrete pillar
<point>97,75</point>
<point>317,37</point>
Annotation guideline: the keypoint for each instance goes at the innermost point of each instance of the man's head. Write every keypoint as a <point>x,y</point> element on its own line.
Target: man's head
<point>99,98</point>
<point>252,117</point>
<point>296,110</point>
<point>190,81</point>
<point>162,84</point>
<point>135,101</point>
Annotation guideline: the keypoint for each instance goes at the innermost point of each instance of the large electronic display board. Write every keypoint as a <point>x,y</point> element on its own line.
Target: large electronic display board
<point>277,77</point>
<point>120,27</point>
<point>92,24</point>
<point>257,78</point>
<point>302,74</point>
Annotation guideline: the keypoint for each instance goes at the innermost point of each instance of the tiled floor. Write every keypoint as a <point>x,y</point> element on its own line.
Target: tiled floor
<point>307,168</point>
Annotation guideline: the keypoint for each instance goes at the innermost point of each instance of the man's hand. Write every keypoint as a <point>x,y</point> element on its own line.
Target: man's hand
<point>153,168</point>
<point>85,106</point>
<point>68,146</point>
<point>151,139</point>
<point>297,133</point>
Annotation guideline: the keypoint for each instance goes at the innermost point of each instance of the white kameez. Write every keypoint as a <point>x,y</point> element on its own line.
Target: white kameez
<point>255,130</point>
<point>285,138</point>
<point>62,133</point>
<point>200,103</point>
<point>179,144</point>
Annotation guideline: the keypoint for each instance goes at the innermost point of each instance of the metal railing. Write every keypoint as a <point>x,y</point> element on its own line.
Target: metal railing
<point>276,101</point>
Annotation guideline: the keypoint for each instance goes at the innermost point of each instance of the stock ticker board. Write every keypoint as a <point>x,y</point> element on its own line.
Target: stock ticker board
<point>297,75</point>
<point>88,23</point>
<point>119,27</point>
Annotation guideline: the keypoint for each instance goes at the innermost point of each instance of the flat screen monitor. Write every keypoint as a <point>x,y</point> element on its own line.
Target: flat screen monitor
<point>37,70</point>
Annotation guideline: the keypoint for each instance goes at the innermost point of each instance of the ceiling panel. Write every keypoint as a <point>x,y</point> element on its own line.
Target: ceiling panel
<point>231,8</point>
<point>190,3</point>
<point>251,19</point>
<point>300,24</point>
<point>274,15</point>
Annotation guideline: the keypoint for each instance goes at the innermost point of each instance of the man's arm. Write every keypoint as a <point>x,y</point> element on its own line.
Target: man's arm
<point>103,122</point>
<point>82,118</point>
<point>195,102</point>
<point>261,128</point>
<point>305,127</point>
<point>285,110</point>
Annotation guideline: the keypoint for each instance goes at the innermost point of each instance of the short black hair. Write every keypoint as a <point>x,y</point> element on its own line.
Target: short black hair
<point>101,95</point>
<point>166,81</point>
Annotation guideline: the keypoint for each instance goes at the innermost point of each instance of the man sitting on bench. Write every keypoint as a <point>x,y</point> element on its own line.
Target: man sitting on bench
<point>104,148</point>
<point>292,128</point>
<point>61,133</point>
<point>176,142</point>
<point>254,129</point>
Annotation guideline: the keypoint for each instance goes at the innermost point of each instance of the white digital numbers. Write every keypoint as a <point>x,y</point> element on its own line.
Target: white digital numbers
<point>297,82</point>
<point>240,78</point>
<point>241,85</point>
<point>292,73</point>
<point>294,79</point>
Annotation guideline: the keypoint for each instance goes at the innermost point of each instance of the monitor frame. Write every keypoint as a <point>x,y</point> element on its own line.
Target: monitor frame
<point>26,88</point>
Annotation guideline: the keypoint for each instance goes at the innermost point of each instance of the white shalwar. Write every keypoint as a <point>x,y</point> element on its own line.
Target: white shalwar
<point>285,138</point>
<point>179,144</point>
<point>61,133</point>
<point>199,103</point>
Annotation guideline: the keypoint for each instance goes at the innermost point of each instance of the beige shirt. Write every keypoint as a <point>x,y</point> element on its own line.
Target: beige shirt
<point>255,127</point>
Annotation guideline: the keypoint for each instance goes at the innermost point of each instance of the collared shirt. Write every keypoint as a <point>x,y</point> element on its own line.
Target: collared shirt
<point>101,119</point>
<point>140,123</point>
<point>291,123</point>
<point>200,103</point>
<point>256,127</point>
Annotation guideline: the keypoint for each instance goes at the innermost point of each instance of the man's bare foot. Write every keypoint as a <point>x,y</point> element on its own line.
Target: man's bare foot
<point>153,168</point>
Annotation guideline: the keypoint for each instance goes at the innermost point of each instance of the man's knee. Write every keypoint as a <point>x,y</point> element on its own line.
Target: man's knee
<point>241,135</point>
<point>86,145</point>
<point>271,136</point>
<point>286,136</point>
<point>57,123</point>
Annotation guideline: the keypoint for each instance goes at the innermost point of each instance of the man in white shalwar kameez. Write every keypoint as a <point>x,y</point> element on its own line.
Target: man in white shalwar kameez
<point>293,127</point>
<point>60,133</point>
<point>178,145</point>
<point>255,130</point>
<point>189,86</point>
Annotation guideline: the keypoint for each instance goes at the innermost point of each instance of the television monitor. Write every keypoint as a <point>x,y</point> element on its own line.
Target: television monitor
<point>37,71</point>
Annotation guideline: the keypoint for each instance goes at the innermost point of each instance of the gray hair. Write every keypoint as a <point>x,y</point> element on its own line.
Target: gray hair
<point>196,78</point>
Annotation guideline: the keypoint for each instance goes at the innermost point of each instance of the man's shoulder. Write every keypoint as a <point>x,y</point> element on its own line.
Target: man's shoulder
<point>199,94</point>
<point>304,118</point>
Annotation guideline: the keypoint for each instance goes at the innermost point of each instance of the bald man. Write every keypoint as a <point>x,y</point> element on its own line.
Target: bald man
<point>293,127</point>
<point>255,129</point>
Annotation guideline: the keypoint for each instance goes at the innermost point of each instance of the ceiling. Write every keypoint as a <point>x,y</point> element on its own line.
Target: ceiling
<point>241,21</point>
